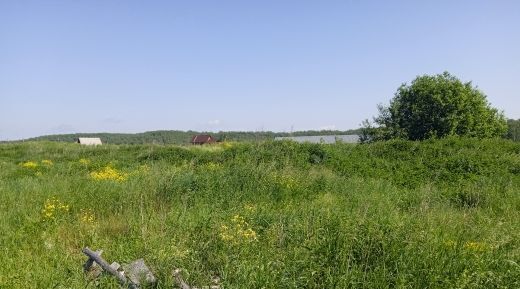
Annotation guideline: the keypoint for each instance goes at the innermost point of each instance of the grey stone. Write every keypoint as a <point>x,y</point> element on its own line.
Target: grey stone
<point>115,265</point>
<point>139,273</point>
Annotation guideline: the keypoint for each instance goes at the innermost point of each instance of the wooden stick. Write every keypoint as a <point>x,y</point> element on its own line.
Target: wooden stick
<point>90,261</point>
<point>104,264</point>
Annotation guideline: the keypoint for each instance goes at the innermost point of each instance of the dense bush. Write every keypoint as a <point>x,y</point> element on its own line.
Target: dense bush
<point>435,107</point>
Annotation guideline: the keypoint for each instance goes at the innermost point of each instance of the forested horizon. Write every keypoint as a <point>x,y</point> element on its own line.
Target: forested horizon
<point>183,137</point>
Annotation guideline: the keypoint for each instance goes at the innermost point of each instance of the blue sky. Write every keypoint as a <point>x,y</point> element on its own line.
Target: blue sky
<point>131,66</point>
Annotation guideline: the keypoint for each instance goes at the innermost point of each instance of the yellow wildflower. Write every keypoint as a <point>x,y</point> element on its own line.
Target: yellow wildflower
<point>227,145</point>
<point>53,208</point>
<point>109,173</point>
<point>84,161</point>
<point>237,219</point>
<point>87,216</point>
<point>213,166</point>
<point>249,234</point>
<point>176,250</point>
<point>475,246</point>
<point>238,231</point>
<point>47,162</point>
<point>250,208</point>
<point>286,181</point>
<point>224,233</point>
<point>450,244</point>
<point>29,165</point>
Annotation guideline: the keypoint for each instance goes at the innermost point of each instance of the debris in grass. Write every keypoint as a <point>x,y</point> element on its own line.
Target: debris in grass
<point>139,273</point>
<point>135,274</point>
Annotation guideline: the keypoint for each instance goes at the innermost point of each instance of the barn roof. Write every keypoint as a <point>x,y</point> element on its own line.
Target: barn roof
<point>202,138</point>
<point>89,141</point>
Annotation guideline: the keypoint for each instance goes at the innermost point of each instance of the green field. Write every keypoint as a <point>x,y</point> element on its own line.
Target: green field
<point>398,214</point>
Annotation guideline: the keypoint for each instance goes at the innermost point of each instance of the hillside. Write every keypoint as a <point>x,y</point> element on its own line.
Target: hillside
<point>398,214</point>
<point>182,137</point>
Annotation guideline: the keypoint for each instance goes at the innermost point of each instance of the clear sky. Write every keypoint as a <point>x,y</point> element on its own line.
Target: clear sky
<point>132,66</point>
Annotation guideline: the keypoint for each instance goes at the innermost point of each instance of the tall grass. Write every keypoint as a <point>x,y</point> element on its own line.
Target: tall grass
<point>435,214</point>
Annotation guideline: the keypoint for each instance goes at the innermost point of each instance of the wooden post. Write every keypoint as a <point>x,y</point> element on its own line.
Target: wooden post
<point>95,256</point>
<point>90,261</point>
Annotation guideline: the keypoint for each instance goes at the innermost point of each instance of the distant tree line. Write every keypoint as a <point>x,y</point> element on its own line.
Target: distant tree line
<point>184,137</point>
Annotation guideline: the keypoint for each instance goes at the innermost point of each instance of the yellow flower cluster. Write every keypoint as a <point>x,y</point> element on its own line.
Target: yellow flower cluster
<point>84,161</point>
<point>53,208</point>
<point>109,173</point>
<point>250,208</point>
<point>286,181</point>
<point>29,165</point>
<point>475,246</point>
<point>227,145</point>
<point>34,165</point>
<point>87,216</point>
<point>450,244</point>
<point>238,231</point>
<point>211,166</point>
<point>177,251</point>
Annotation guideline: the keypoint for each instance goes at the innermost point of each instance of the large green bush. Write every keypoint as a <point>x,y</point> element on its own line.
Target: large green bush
<point>435,107</point>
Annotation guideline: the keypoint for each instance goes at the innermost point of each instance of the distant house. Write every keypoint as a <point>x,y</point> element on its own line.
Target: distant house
<point>90,141</point>
<point>325,139</point>
<point>202,139</point>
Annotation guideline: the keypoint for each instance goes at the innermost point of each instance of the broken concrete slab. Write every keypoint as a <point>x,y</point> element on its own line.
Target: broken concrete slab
<point>139,273</point>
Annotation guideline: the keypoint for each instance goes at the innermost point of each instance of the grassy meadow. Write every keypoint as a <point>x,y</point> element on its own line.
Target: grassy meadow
<point>398,214</point>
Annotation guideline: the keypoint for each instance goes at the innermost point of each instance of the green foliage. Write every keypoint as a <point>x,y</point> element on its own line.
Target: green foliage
<point>397,214</point>
<point>435,107</point>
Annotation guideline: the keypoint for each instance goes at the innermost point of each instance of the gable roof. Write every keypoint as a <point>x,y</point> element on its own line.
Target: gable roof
<point>89,141</point>
<point>202,138</point>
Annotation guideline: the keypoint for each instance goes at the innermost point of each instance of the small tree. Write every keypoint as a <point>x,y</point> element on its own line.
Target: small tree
<point>435,107</point>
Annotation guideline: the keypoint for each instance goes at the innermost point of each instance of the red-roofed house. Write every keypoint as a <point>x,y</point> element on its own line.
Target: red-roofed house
<point>202,139</point>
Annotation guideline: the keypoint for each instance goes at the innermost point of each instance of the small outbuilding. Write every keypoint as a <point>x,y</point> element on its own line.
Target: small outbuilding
<point>90,141</point>
<point>202,139</point>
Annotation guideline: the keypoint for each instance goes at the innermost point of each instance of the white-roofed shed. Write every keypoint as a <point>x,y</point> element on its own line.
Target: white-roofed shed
<point>90,141</point>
